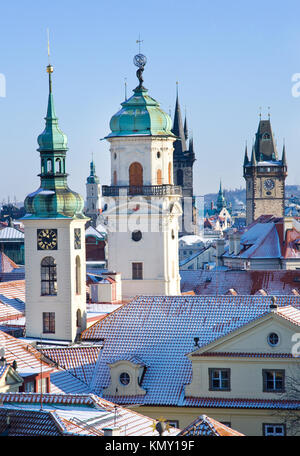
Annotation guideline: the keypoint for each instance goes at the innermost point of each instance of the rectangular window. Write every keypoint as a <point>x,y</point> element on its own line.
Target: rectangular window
<point>219,379</point>
<point>48,322</point>
<point>273,381</point>
<point>42,385</point>
<point>274,430</point>
<point>29,387</point>
<point>137,271</point>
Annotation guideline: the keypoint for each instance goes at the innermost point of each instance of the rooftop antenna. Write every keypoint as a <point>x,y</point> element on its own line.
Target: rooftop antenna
<point>139,41</point>
<point>48,42</point>
<point>269,114</point>
<point>125,84</point>
<point>260,112</point>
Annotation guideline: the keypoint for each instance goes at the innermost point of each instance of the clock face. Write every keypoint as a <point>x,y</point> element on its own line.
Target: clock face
<point>47,239</point>
<point>269,184</point>
<point>77,238</point>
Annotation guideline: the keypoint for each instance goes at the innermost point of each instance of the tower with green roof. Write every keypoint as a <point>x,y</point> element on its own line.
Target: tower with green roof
<point>54,242</point>
<point>93,195</point>
<point>143,204</point>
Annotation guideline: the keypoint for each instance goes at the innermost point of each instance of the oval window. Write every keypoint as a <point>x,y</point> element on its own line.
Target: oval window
<point>136,236</point>
<point>124,379</point>
<point>273,339</point>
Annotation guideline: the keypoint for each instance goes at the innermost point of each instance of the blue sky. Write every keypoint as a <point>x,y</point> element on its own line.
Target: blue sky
<point>229,57</point>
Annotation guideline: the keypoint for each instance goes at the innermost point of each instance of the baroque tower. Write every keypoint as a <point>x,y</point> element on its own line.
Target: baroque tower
<point>54,243</point>
<point>183,159</point>
<point>265,176</point>
<point>93,195</point>
<point>143,205</point>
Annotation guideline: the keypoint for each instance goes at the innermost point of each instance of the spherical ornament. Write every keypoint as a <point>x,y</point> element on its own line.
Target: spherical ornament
<point>140,60</point>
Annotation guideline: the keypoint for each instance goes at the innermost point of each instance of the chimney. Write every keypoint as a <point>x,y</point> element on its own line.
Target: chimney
<point>220,249</point>
<point>236,243</point>
<point>231,242</point>
<point>273,305</point>
<point>111,432</point>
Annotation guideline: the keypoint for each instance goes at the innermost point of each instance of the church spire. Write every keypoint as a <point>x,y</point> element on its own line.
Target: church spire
<point>253,157</point>
<point>52,137</point>
<point>283,160</point>
<point>246,159</point>
<point>186,130</point>
<point>178,128</point>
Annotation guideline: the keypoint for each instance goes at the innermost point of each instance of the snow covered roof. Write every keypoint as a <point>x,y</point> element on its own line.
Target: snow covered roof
<point>212,283</point>
<point>161,331</point>
<point>70,414</point>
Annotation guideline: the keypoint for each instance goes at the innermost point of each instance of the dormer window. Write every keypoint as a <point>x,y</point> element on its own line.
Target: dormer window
<point>266,136</point>
<point>126,377</point>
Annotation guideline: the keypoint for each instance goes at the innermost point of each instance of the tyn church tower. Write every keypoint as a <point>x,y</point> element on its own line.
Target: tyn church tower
<point>265,176</point>
<point>183,159</point>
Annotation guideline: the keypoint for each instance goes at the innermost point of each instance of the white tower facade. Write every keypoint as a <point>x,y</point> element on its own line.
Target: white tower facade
<point>54,244</point>
<point>93,195</point>
<point>143,205</point>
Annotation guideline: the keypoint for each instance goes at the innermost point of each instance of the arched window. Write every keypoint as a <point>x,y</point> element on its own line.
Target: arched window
<point>49,166</point>
<point>179,177</point>
<point>48,277</point>
<point>115,177</point>
<point>43,166</point>
<point>58,165</point>
<point>78,275</point>
<point>159,177</point>
<point>170,173</point>
<point>136,175</point>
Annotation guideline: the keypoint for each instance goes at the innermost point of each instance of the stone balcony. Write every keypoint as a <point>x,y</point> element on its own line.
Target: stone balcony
<point>145,190</point>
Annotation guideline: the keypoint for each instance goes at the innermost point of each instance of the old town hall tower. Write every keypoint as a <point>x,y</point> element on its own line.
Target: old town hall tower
<point>265,176</point>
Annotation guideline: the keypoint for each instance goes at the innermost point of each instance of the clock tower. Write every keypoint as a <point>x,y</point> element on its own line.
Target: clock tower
<point>54,243</point>
<point>143,204</point>
<point>265,176</point>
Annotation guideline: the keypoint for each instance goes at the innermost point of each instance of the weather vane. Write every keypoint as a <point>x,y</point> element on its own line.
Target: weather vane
<point>140,61</point>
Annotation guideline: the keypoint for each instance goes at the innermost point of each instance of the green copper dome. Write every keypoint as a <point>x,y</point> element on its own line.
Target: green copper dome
<point>53,199</point>
<point>140,115</point>
<point>52,137</point>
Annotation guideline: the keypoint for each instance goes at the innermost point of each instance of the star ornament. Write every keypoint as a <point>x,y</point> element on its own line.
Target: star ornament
<point>160,426</point>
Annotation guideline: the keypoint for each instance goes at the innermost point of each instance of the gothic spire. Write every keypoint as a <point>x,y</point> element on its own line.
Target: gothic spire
<point>253,157</point>
<point>283,160</point>
<point>186,131</point>
<point>178,129</point>
<point>246,159</point>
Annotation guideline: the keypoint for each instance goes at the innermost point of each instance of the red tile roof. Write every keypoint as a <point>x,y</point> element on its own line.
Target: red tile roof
<point>205,426</point>
<point>212,283</point>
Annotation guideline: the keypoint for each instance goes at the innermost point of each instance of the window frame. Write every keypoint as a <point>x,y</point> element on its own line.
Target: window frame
<point>48,277</point>
<point>49,320</point>
<point>137,274</point>
<point>267,390</point>
<point>210,376</point>
<point>264,425</point>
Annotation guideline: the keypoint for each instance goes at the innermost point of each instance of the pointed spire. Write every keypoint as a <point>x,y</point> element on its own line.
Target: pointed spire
<point>186,130</point>
<point>283,160</point>
<point>253,157</point>
<point>178,129</point>
<point>191,149</point>
<point>246,159</point>
<point>52,137</point>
